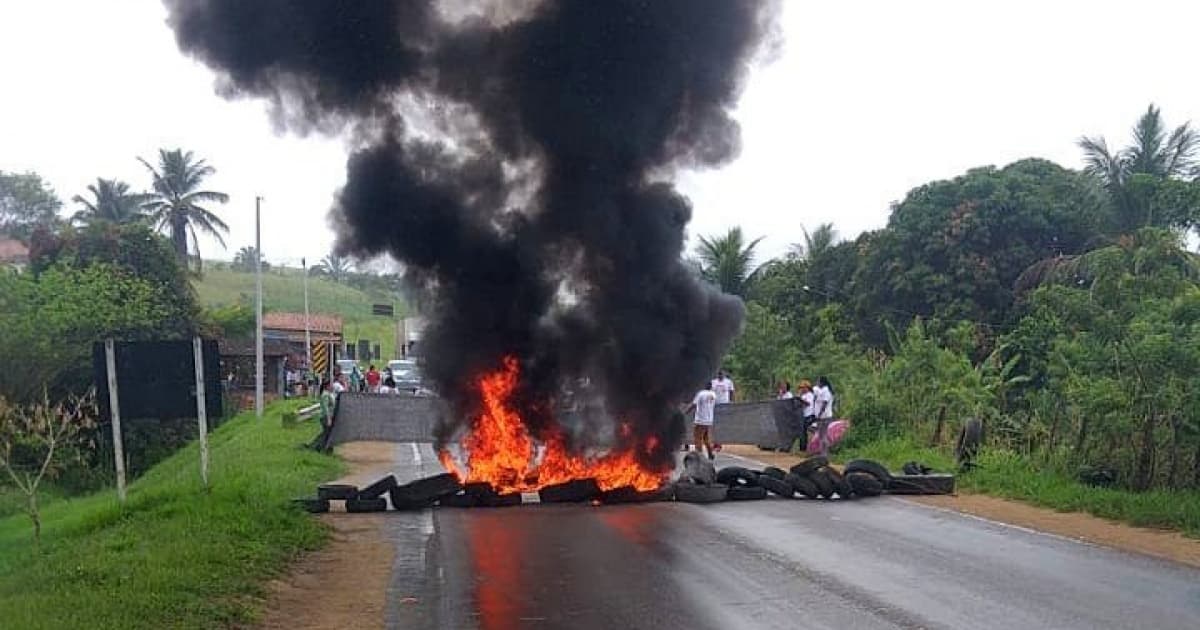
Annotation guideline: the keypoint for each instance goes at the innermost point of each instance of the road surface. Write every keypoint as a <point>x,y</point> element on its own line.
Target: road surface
<point>872,563</point>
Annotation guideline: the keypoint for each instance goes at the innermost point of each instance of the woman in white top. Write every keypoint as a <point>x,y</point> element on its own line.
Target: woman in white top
<point>823,409</point>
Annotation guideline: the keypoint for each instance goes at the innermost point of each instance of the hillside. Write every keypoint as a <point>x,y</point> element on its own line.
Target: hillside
<point>283,290</point>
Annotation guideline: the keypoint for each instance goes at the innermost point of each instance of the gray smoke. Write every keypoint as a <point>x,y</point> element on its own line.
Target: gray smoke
<point>516,157</point>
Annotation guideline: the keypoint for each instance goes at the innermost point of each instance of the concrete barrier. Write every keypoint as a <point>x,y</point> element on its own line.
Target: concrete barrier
<point>402,418</point>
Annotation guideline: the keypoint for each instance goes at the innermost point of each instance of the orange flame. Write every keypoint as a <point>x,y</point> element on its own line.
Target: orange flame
<point>502,453</point>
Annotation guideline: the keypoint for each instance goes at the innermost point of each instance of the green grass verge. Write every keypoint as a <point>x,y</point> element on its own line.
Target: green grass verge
<point>283,290</point>
<point>1012,476</point>
<point>175,556</point>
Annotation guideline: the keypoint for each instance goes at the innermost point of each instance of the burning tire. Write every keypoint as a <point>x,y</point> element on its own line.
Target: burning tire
<point>700,493</point>
<point>823,483</point>
<point>865,484</point>
<point>746,493</point>
<point>737,475</point>
<point>840,485</point>
<point>312,506</point>
<point>501,500</point>
<point>379,488</point>
<point>778,486</point>
<point>460,500</point>
<point>574,491</point>
<point>629,494</point>
<point>359,506</point>
<point>803,485</point>
<point>424,492</point>
<point>774,472</point>
<point>936,483</point>
<point>810,465</point>
<point>336,491</point>
<point>871,467</point>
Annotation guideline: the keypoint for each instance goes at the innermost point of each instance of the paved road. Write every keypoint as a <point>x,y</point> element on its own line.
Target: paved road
<point>878,563</point>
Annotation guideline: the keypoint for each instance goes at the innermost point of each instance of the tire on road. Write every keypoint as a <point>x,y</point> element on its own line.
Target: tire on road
<point>774,472</point>
<point>700,493</point>
<point>937,483</point>
<point>810,465</point>
<point>865,484</point>
<point>840,485</point>
<point>970,437</point>
<point>823,483</point>
<point>739,475</point>
<point>698,469</point>
<point>869,466</point>
<point>574,491</point>
<point>312,506</point>
<point>336,491</point>
<point>379,488</point>
<point>778,487</point>
<point>425,491</point>
<point>803,485</point>
<point>629,494</point>
<point>746,493</point>
<point>358,506</point>
<point>460,500</point>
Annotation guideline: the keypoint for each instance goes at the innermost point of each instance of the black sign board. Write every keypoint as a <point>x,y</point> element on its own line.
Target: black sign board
<point>157,379</point>
<point>386,310</point>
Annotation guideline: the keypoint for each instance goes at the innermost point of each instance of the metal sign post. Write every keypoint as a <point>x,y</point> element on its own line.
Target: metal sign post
<point>110,358</point>
<point>201,411</point>
<point>258,311</point>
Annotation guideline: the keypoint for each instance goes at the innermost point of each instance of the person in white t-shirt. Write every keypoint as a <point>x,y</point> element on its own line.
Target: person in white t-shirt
<point>823,410</point>
<point>723,387</point>
<point>702,422</point>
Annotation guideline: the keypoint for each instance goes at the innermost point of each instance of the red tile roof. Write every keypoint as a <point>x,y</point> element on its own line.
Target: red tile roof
<point>12,250</point>
<point>318,322</point>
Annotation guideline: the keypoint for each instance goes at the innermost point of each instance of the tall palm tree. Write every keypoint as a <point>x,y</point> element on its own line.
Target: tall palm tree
<point>1154,152</point>
<point>111,201</point>
<point>728,261</point>
<point>245,258</point>
<point>816,243</point>
<point>334,266</point>
<point>174,206</point>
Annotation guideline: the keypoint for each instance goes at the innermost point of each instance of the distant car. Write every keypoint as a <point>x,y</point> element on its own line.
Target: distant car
<point>349,367</point>
<point>406,373</point>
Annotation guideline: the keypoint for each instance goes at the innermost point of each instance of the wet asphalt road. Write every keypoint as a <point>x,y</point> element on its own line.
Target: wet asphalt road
<point>874,563</point>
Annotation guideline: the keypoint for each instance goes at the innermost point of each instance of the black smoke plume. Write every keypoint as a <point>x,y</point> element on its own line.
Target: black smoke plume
<point>516,157</point>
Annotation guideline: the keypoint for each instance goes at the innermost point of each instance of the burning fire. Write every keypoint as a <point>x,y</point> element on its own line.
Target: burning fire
<point>501,452</point>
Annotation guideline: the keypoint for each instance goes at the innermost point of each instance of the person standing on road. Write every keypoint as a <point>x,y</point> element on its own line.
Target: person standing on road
<point>328,401</point>
<point>703,404</point>
<point>389,386</point>
<point>722,386</point>
<point>823,410</point>
<point>373,379</point>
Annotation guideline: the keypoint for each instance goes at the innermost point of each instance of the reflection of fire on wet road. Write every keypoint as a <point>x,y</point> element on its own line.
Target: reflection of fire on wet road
<point>496,552</point>
<point>501,451</point>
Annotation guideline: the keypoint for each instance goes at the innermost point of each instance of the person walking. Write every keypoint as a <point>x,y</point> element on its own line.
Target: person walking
<point>723,387</point>
<point>328,403</point>
<point>703,404</point>
<point>823,410</point>
<point>373,379</point>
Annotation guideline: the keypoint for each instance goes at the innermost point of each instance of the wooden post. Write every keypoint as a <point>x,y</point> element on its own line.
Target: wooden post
<point>110,357</point>
<point>201,411</point>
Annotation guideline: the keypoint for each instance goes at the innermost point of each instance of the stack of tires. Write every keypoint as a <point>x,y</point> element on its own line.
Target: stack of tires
<point>814,478</point>
<point>417,494</point>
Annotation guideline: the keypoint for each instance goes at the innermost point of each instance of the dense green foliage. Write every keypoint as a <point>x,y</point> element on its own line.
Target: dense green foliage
<point>27,202</point>
<point>176,555</point>
<point>1061,307</point>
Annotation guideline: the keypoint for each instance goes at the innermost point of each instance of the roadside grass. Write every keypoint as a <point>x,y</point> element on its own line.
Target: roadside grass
<point>175,555</point>
<point>1009,475</point>
<point>283,290</point>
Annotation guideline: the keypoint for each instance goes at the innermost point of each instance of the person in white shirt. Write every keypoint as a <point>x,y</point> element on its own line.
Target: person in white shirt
<point>703,404</point>
<point>785,391</point>
<point>823,410</point>
<point>723,387</point>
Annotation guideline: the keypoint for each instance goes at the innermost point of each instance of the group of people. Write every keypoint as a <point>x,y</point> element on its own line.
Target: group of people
<point>816,409</point>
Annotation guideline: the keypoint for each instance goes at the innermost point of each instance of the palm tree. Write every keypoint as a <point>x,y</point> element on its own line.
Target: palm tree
<point>174,206</point>
<point>111,201</point>
<point>334,266</point>
<point>1154,153</point>
<point>728,262</point>
<point>245,258</point>
<point>816,243</point>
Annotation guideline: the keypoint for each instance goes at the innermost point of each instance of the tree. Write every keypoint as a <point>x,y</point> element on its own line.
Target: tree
<point>33,440</point>
<point>174,206</point>
<point>728,262</point>
<point>816,243</point>
<point>111,201</point>
<point>334,266</point>
<point>245,259</point>
<point>1129,174</point>
<point>26,202</point>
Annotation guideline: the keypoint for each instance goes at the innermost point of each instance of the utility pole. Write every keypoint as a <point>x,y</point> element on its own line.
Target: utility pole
<point>258,333</point>
<point>307,333</point>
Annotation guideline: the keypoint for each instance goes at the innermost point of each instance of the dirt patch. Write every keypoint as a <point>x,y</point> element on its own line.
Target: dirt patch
<point>1077,525</point>
<point>344,584</point>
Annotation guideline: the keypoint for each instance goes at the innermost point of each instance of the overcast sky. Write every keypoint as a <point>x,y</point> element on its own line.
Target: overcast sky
<point>866,101</point>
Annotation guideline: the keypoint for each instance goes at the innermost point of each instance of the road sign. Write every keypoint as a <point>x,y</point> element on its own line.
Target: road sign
<point>320,358</point>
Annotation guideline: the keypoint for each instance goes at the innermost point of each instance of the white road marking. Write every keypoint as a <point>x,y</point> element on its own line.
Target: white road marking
<point>416,453</point>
